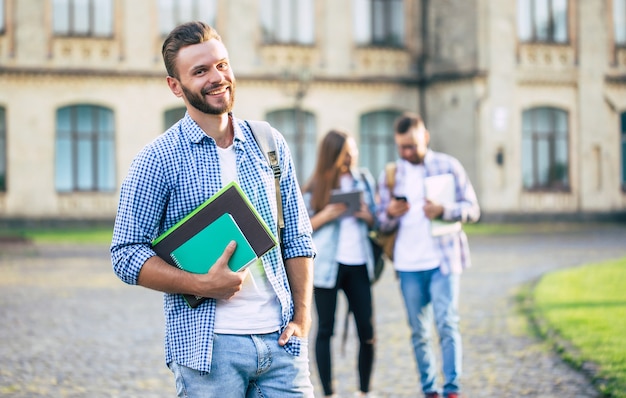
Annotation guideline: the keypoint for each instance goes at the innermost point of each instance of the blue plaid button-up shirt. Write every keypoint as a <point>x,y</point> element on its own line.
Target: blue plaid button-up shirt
<point>168,179</point>
<point>453,247</point>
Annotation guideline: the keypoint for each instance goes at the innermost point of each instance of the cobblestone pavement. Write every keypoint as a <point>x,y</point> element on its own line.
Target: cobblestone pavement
<point>70,328</point>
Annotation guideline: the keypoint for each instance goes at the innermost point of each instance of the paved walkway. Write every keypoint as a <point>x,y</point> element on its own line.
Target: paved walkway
<point>71,329</point>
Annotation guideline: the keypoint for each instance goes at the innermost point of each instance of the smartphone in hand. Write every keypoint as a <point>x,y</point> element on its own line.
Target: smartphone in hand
<point>400,198</point>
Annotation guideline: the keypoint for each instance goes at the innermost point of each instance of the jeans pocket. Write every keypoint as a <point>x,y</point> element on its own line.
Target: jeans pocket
<point>297,346</point>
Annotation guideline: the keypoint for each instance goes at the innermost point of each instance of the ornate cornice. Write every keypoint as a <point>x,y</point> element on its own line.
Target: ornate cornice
<point>383,79</point>
<point>415,81</point>
<point>78,72</point>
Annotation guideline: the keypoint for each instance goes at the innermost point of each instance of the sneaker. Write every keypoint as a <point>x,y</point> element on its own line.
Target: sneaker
<point>432,395</point>
<point>453,395</point>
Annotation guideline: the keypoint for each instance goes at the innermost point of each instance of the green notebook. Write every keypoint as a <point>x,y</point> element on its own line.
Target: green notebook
<point>201,251</point>
<point>229,200</point>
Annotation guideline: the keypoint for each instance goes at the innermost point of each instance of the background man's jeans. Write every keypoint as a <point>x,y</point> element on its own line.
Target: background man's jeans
<point>247,366</point>
<point>426,292</point>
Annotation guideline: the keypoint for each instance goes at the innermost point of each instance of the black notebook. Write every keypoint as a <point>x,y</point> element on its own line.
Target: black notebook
<point>229,200</point>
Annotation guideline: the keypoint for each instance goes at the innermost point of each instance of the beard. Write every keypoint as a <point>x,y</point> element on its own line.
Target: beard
<point>199,102</point>
<point>415,159</point>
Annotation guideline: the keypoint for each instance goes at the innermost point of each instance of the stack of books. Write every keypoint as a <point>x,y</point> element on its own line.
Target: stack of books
<point>196,242</point>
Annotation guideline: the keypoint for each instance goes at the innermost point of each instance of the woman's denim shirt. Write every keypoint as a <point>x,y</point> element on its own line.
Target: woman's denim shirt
<point>326,237</point>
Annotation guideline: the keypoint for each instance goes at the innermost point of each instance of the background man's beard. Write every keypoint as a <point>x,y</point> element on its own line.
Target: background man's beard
<point>415,159</point>
<point>203,106</point>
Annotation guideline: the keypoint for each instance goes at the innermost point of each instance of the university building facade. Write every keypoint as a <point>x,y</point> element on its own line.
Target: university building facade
<point>530,95</point>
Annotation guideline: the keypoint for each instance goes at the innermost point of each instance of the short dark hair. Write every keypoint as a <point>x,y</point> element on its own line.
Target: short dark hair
<point>407,121</point>
<point>185,35</point>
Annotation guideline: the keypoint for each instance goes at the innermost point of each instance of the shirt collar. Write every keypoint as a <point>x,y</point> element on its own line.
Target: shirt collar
<point>190,128</point>
<point>428,156</point>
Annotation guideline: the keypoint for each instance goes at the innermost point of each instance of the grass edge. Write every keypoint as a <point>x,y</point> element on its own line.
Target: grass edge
<point>541,329</point>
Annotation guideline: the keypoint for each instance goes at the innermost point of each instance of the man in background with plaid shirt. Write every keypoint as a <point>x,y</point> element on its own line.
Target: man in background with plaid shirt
<point>431,249</point>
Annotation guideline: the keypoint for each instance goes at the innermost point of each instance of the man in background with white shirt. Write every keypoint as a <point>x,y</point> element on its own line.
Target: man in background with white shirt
<point>431,249</point>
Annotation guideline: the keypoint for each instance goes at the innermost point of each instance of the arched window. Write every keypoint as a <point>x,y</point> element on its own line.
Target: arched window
<point>171,116</point>
<point>85,149</point>
<point>376,143</point>
<point>298,128</point>
<point>545,149</point>
<point>3,150</point>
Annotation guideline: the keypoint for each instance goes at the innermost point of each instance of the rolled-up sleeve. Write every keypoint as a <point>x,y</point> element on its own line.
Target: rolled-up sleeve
<point>465,208</point>
<point>142,200</point>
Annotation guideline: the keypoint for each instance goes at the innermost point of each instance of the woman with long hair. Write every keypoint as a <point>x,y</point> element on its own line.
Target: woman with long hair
<point>344,260</point>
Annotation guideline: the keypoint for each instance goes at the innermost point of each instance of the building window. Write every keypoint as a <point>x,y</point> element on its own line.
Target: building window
<point>3,150</point>
<point>623,142</point>
<point>83,18</point>
<point>619,22</point>
<point>85,149</point>
<point>298,128</point>
<point>2,14</point>
<point>288,21</point>
<point>175,12</point>
<point>376,143</point>
<point>379,22</point>
<point>545,158</point>
<point>172,116</point>
<point>542,21</point>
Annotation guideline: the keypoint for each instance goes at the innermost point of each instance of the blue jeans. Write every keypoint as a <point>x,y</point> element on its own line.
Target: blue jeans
<point>247,366</point>
<point>425,293</point>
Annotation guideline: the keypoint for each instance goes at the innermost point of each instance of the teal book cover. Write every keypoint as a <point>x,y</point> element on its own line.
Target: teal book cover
<point>229,200</point>
<point>199,253</point>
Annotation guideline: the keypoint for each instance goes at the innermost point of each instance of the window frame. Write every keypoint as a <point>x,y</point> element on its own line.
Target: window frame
<point>619,23</point>
<point>3,149</point>
<point>3,13</point>
<point>558,174</point>
<point>528,9</point>
<point>623,149</point>
<point>374,142</point>
<point>93,141</point>
<point>174,12</point>
<point>299,127</point>
<point>299,31</point>
<point>379,23</point>
<point>95,13</point>
<point>172,115</point>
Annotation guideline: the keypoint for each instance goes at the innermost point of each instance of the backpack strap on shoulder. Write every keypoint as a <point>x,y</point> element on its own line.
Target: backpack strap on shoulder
<point>262,132</point>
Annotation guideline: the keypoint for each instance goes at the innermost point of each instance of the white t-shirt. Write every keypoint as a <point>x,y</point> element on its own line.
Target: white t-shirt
<point>256,303</point>
<point>415,248</point>
<point>350,250</point>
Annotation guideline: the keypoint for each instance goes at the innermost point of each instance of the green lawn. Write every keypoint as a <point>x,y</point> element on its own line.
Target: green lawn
<point>102,233</point>
<point>582,311</point>
<point>84,235</point>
